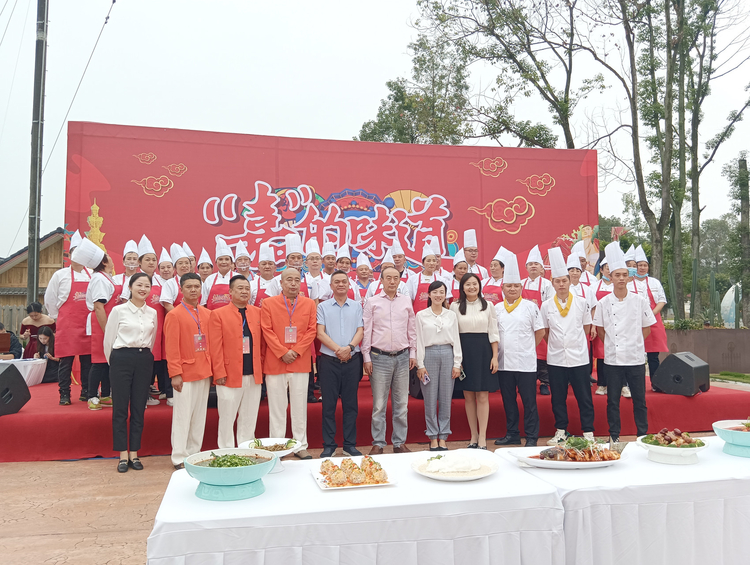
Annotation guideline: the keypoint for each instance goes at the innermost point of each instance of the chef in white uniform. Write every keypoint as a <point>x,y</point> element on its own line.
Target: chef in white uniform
<point>205,265</point>
<point>215,291</point>
<point>471,251</point>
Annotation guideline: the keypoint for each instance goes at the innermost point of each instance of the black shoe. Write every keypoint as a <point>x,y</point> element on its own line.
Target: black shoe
<point>179,466</point>
<point>472,446</point>
<point>442,448</point>
<point>544,390</point>
<point>84,396</point>
<point>530,442</point>
<point>122,466</point>
<point>483,447</point>
<point>614,439</point>
<point>435,448</point>
<point>352,452</point>
<point>312,399</point>
<point>593,380</point>
<point>327,452</point>
<point>508,440</point>
<point>135,464</point>
<point>64,400</point>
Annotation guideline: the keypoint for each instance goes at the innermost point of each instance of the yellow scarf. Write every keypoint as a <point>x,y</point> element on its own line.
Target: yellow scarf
<point>564,311</point>
<point>510,307</point>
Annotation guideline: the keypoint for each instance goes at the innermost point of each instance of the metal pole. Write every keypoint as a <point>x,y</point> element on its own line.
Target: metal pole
<point>37,131</point>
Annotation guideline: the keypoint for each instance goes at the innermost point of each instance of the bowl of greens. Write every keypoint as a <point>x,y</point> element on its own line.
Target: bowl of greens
<point>736,436</point>
<point>230,474</point>
<point>672,447</point>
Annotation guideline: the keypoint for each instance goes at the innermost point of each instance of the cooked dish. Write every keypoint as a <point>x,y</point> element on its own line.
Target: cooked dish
<point>579,450</point>
<point>369,472</point>
<point>276,446</point>
<point>674,438</point>
<point>743,427</point>
<point>231,460</point>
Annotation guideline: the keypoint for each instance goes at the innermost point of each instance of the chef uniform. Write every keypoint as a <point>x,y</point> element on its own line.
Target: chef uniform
<point>538,290</point>
<point>602,288</point>
<point>259,285</point>
<point>357,288</point>
<point>454,290</point>
<point>241,251</point>
<point>164,259</point>
<point>122,279</point>
<point>65,300</point>
<point>444,274</point>
<point>567,321</point>
<point>293,244</point>
<point>204,259</point>
<point>343,252</point>
<point>470,240</point>
<point>329,250</point>
<point>190,256</point>
<point>418,285</point>
<point>171,292</point>
<point>580,249</point>
<point>581,290</point>
<point>396,249</point>
<point>215,293</point>
<point>312,248</point>
<point>376,287</point>
<point>656,342</point>
<point>623,320</point>
<point>492,288</point>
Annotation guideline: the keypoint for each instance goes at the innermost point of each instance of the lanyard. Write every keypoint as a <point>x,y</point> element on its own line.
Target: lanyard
<point>294,305</point>
<point>193,317</point>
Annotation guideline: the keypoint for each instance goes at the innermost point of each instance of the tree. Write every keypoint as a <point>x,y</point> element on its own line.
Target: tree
<point>737,174</point>
<point>432,107</point>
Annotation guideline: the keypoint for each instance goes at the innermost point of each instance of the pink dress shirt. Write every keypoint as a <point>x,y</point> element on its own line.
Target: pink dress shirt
<point>389,325</point>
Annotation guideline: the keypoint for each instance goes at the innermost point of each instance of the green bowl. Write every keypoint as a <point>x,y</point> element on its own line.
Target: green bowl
<point>229,483</point>
<point>736,443</point>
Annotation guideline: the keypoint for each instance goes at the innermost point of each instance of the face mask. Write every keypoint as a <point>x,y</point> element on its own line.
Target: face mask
<point>641,276</point>
<point>605,277</point>
<point>632,271</point>
<point>130,264</point>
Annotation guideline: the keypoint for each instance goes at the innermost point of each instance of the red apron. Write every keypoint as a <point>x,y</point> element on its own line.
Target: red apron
<point>154,301</point>
<point>656,342</point>
<point>598,344</point>
<point>97,333</point>
<point>493,292</point>
<point>260,295</point>
<point>178,299</point>
<point>71,338</point>
<point>218,295</point>
<point>118,288</point>
<point>356,292</point>
<point>420,301</point>
<point>455,291</point>
<point>536,297</point>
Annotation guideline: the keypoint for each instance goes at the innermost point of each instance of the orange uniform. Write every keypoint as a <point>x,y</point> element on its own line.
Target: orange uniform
<point>180,329</point>
<point>274,318</point>
<point>226,344</point>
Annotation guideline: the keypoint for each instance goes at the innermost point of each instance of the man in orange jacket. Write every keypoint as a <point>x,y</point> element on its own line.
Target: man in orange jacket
<point>186,343</point>
<point>236,356</point>
<point>289,325</point>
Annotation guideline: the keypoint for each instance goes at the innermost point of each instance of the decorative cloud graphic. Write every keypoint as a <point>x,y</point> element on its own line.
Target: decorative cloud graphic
<point>507,216</point>
<point>155,186</point>
<point>176,169</point>
<point>491,167</point>
<point>145,158</point>
<point>538,185</point>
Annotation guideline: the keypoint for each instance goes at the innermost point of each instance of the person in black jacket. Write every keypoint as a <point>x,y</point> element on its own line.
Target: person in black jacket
<point>15,346</point>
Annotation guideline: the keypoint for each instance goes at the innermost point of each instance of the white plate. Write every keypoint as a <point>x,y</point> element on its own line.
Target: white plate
<point>321,481</point>
<point>279,454</point>
<point>672,455</point>
<point>486,460</point>
<point>523,454</point>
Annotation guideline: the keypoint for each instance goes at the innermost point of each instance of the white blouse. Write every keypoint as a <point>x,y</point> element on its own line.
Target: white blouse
<point>129,326</point>
<point>476,321</point>
<point>433,329</point>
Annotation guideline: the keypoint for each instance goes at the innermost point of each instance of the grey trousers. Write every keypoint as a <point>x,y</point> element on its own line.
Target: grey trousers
<point>438,393</point>
<point>389,374</point>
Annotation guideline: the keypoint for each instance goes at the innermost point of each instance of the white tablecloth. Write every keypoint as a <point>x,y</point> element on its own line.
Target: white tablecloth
<point>638,512</point>
<point>32,370</point>
<point>508,518</point>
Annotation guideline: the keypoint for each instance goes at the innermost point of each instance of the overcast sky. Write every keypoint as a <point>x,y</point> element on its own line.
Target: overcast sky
<point>293,68</point>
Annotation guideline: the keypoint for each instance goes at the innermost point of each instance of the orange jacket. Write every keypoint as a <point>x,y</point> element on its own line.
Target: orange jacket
<point>179,332</point>
<point>273,319</point>
<point>226,344</point>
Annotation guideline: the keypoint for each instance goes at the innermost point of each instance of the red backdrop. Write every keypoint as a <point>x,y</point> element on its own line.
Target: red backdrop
<point>195,186</point>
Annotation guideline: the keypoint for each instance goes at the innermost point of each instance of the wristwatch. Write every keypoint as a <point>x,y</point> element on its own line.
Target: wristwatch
<point>351,347</point>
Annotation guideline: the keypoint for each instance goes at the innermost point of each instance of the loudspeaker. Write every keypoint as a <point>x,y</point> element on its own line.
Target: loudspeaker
<point>682,373</point>
<point>14,392</point>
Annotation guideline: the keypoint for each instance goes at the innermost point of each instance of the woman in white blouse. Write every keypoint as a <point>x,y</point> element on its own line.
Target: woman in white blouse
<point>477,326</point>
<point>128,339</point>
<point>438,363</point>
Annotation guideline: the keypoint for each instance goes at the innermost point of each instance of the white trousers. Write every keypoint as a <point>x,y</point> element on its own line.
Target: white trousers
<point>241,403</point>
<point>189,419</point>
<point>276,388</point>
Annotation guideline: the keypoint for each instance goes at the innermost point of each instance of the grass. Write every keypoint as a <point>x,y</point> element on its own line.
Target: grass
<point>732,377</point>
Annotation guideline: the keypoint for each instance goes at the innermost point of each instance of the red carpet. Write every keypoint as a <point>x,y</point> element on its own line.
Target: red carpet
<point>44,431</point>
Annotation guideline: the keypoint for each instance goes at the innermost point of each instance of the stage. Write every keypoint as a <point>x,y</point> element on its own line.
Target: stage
<point>45,431</point>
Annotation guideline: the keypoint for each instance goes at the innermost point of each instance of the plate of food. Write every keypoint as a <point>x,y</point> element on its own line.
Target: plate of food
<point>575,453</point>
<point>736,435</point>
<point>672,447</point>
<point>343,473</point>
<point>230,474</point>
<point>281,446</point>
<point>456,466</point>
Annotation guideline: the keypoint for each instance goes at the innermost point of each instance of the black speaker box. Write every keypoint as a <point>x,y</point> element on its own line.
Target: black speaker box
<point>682,373</point>
<point>14,392</point>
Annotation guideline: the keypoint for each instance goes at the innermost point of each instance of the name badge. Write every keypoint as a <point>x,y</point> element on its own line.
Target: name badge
<point>246,344</point>
<point>290,334</point>
<point>199,342</point>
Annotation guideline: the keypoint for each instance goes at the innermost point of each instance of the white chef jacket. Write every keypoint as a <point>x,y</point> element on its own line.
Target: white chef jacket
<point>258,282</point>
<point>413,283</point>
<point>639,287</point>
<point>100,288</point>
<point>567,344</point>
<point>588,279</point>
<point>170,291</point>
<point>517,339</point>
<point>623,321</point>
<point>58,289</point>
<point>588,293</point>
<point>376,287</point>
<point>211,280</point>
<point>548,291</point>
<point>124,280</point>
<point>477,269</point>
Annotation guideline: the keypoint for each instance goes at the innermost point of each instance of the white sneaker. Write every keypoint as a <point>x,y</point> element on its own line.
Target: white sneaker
<point>152,401</point>
<point>626,391</point>
<point>601,390</point>
<point>170,401</point>
<point>589,436</point>
<point>560,437</point>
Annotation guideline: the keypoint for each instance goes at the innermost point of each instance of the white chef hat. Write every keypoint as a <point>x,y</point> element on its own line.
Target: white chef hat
<point>363,260</point>
<point>205,258</point>
<point>557,263</point>
<point>501,255</point>
<point>396,248</point>
<point>640,254</point>
<point>130,247</point>
<point>579,249</point>
<point>176,252</point>
<point>75,240</point>
<point>535,256</point>
<point>88,254</point>
<point>164,257</point>
<point>427,250</point>
<point>265,253</point>
<point>602,262</point>
<point>328,249</point>
<point>574,261</point>
<point>187,250</point>
<point>223,250</point>
<point>343,252</point>
<point>615,257</point>
<point>311,246</point>
<point>512,275</point>
<point>630,254</point>
<point>459,257</point>
<point>293,244</point>
<point>435,244</point>
<point>388,258</point>
<point>241,250</point>
<point>470,238</point>
<point>145,247</point>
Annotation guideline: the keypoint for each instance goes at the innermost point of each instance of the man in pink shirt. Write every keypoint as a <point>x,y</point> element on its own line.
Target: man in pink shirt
<point>389,351</point>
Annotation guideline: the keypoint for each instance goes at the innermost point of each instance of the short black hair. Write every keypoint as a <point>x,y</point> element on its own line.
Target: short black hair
<point>34,307</point>
<point>234,279</point>
<point>339,272</point>
<point>2,326</point>
<point>137,276</point>
<point>394,268</point>
<point>190,277</point>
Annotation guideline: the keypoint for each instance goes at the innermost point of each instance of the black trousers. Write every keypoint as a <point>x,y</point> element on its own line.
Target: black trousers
<point>162,378</point>
<point>633,376</point>
<point>525,384</point>
<point>99,373</point>
<point>542,374</point>
<point>340,380</point>
<point>63,373</point>
<point>601,373</point>
<point>131,373</point>
<point>653,362</point>
<point>578,377</point>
